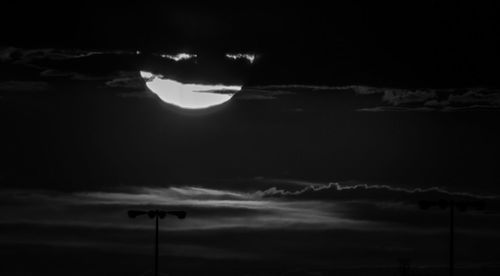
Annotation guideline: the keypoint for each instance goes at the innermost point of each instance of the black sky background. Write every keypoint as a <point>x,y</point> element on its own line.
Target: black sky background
<point>351,113</point>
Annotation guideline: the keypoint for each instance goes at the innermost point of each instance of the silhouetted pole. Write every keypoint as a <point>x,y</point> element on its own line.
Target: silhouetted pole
<point>156,248</point>
<point>156,214</point>
<point>452,238</point>
<point>462,206</point>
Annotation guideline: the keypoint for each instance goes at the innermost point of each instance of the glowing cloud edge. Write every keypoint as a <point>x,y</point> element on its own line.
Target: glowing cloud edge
<point>179,56</point>
<point>249,57</point>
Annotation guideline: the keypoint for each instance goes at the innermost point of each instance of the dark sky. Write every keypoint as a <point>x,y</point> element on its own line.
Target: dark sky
<point>350,114</point>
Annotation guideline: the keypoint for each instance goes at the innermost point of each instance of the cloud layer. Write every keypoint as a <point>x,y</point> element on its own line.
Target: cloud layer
<point>119,69</point>
<point>313,224</point>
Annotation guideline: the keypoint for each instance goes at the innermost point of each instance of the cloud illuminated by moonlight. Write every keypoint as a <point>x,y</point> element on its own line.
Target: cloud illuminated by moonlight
<point>249,57</point>
<point>179,56</point>
<point>188,95</point>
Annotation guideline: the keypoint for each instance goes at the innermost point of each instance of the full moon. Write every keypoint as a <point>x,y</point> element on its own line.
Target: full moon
<point>189,95</point>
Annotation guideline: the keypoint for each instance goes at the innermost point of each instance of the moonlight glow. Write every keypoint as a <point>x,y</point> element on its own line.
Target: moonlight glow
<point>189,96</point>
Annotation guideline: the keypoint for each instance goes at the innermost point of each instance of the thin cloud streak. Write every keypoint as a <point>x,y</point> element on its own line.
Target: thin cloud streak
<point>23,86</point>
<point>346,211</point>
<point>179,56</point>
<point>249,57</point>
<point>262,213</point>
<point>312,206</point>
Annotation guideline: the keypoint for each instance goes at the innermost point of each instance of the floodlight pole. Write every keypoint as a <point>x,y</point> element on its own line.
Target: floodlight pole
<point>452,238</point>
<point>156,214</point>
<point>156,247</point>
<point>452,204</point>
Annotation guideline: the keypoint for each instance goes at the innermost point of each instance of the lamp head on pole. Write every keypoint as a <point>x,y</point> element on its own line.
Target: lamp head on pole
<point>156,213</point>
<point>135,213</point>
<point>425,204</point>
<point>178,214</point>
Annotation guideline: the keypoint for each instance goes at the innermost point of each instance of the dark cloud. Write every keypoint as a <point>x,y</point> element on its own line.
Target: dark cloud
<point>69,75</point>
<point>394,108</point>
<point>252,93</point>
<point>117,70</point>
<point>6,53</point>
<point>301,205</point>
<point>438,100</point>
<point>128,80</point>
<point>381,193</point>
<point>26,56</point>
<point>230,225</point>
<point>23,86</point>
<point>70,64</point>
<point>229,209</point>
<point>385,203</point>
<point>399,99</point>
<point>475,97</point>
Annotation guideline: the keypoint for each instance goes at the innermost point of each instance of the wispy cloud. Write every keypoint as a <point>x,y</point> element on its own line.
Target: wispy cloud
<point>395,108</point>
<point>22,55</point>
<point>255,211</point>
<point>311,187</point>
<point>6,53</point>
<point>248,57</point>
<point>251,93</point>
<point>23,86</point>
<point>230,223</point>
<point>178,56</point>
<point>80,64</point>
<point>54,73</point>
<point>401,99</point>
<point>310,205</point>
<point>126,79</point>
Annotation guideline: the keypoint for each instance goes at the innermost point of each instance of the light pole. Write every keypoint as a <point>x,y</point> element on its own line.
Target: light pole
<point>156,214</point>
<point>462,206</point>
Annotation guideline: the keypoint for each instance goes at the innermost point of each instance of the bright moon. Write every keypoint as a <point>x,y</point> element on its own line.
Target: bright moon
<point>187,95</point>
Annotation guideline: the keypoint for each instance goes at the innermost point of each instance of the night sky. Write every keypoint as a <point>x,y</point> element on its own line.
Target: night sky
<point>349,115</point>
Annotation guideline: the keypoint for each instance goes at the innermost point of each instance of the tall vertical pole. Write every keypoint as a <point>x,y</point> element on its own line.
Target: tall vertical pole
<point>452,237</point>
<point>156,247</point>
